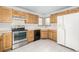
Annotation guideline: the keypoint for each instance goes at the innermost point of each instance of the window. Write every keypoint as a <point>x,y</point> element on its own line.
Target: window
<point>47,21</point>
<point>44,21</point>
<point>40,21</point>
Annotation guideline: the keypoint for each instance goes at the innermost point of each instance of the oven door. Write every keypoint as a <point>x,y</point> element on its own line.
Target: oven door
<point>19,36</point>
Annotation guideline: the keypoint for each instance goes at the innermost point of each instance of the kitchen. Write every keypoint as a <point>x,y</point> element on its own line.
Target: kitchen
<point>23,25</point>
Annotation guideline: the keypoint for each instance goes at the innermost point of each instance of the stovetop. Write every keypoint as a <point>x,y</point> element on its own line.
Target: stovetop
<point>18,29</point>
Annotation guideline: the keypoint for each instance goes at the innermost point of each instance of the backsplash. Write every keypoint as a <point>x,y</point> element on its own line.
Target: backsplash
<point>36,26</point>
<point>5,26</point>
<point>8,26</point>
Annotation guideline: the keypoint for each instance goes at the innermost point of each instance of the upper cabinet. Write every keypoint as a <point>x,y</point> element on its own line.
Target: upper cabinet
<point>5,15</point>
<point>27,17</point>
<point>32,19</point>
<point>17,13</point>
<point>8,14</point>
<point>53,19</point>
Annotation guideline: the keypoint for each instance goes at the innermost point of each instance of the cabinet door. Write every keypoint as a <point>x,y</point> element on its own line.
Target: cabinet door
<point>53,35</point>
<point>5,15</point>
<point>44,33</point>
<point>26,18</point>
<point>32,19</point>
<point>17,13</point>
<point>7,41</point>
<point>53,19</point>
<point>1,43</point>
<point>29,19</point>
<point>60,30</point>
<point>30,35</point>
<point>71,22</point>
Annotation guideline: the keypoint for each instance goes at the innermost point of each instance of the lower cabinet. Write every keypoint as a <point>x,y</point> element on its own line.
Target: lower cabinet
<point>30,35</point>
<point>1,43</point>
<point>53,35</point>
<point>6,41</point>
<point>44,34</point>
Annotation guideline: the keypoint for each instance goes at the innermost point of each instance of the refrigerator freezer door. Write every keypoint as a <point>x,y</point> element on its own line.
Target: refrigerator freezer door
<point>71,22</point>
<point>60,30</point>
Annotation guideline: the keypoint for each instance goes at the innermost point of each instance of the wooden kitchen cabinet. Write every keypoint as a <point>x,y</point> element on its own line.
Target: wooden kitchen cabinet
<point>53,19</point>
<point>30,35</point>
<point>17,13</point>
<point>6,41</point>
<point>1,43</point>
<point>53,35</point>
<point>44,34</point>
<point>20,14</point>
<point>5,15</point>
<point>32,19</point>
<point>28,17</point>
<point>35,19</point>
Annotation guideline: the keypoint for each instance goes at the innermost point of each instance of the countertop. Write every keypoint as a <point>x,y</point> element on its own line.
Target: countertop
<point>4,31</point>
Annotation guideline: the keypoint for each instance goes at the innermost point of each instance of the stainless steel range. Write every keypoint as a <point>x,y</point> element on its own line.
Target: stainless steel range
<point>19,36</point>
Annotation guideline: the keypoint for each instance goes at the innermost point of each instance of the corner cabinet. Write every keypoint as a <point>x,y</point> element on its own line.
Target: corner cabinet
<point>53,35</point>
<point>5,15</point>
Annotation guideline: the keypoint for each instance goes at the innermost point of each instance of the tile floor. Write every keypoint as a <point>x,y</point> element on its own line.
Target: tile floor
<point>43,45</point>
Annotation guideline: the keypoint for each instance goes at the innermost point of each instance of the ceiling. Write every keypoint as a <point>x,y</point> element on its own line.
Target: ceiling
<point>43,10</point>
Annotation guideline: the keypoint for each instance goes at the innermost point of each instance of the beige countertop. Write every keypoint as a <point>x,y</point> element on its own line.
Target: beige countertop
<point>4,31</point>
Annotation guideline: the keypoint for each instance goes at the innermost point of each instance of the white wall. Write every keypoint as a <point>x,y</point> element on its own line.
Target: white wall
<point>5,26</point>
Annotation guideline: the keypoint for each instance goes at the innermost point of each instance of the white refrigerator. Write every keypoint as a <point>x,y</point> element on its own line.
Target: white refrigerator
<point>68,30</point>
